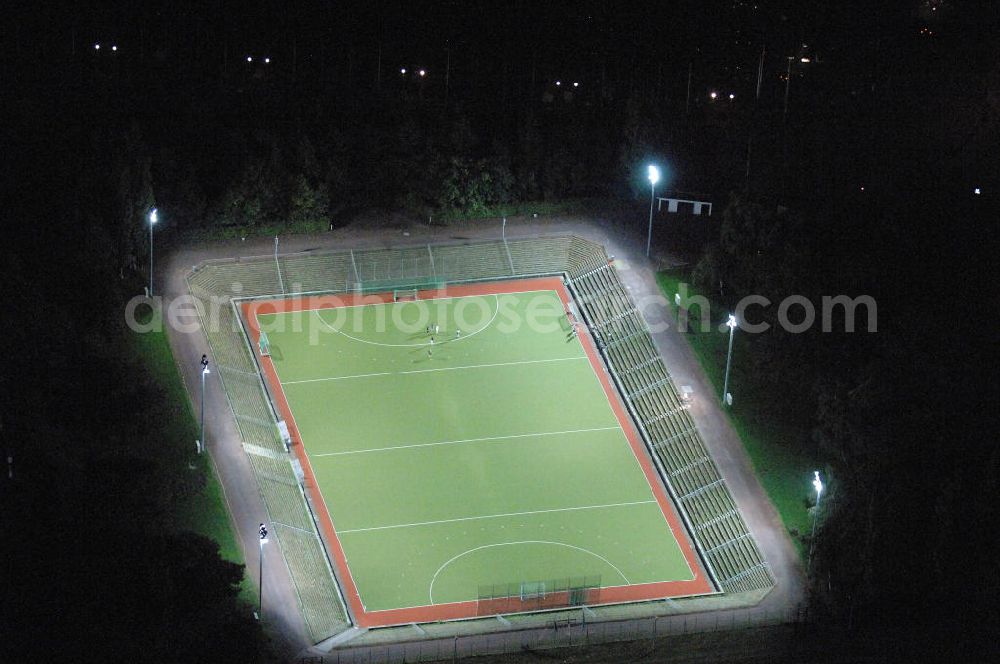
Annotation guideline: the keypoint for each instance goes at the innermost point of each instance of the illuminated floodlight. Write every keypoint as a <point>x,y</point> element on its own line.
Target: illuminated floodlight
<point>976,191</point>
<point>731,96</point>
<point>97,47</point>
<point>422,72</point>
<point>152,222</point>
<point>713,95</point>
<point>727,398</point>
<point>262,539</point>
<point>818,485</point>
<point>267,61</point>
<point>653,174</point>
<point>402,70</point>
<point>114,48</point>
<point>249,58</point>
<point>575,84</point>
<point>805,60</point>
<point>558,83</point>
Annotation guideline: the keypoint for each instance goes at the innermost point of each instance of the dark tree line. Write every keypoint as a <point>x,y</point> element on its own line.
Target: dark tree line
<point>94,566</point>
<point>902,557</point>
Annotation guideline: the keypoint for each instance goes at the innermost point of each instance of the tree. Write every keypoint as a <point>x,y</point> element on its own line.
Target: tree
<point>133,187</point>
<point>474,187</point>
<point>309,206</point>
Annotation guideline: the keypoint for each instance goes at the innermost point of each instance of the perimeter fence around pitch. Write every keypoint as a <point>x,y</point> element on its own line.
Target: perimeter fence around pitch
<point>569,630</point>
<point>710,514</point>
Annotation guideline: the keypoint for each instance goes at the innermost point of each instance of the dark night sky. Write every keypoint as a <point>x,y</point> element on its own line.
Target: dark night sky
<point>929,60</point>
<point>583,40</point>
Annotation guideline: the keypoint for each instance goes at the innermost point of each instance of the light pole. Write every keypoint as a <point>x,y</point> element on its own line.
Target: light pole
<point>788,80</point>
<point>277,265</point>
<point>654,177</point>
<point>204,372</point>
<point>262,531</point>
<point>152,220</point>
<point>729,358</point>
<point>818,485</point>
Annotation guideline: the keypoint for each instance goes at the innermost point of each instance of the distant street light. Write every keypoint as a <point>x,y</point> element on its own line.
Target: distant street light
<point>204,372</point>
<point>731,96</point>
<point>729,359</point>
<point>422,72</point>
<point>558,83</point>
<point>114,48</point>
<point>267,61</point>
<point>654,177</point>
<point>97,47</point>
<point>713,95</point>
<point>402,70</point>
<point>249,58</point>
<point>152,220</point>
<point>262,531</point>
<point>575,84</point>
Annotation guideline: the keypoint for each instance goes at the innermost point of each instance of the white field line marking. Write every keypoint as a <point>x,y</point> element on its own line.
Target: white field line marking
<point>610,399</point>
<point>419,371</point>
<point>497,364</point>
<point>416,345</point>
<point>389,304</point>
<point>496,516</point>
<point>320,380</point>
<point>466,440</point>
<point>488,546</point>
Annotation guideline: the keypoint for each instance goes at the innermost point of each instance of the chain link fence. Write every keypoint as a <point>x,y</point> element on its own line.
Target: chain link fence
<point>562,633</point>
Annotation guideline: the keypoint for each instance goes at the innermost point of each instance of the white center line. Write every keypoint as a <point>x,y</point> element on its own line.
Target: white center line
<point>495,516</point>
<point>465,440</point>
<point>418,371</point>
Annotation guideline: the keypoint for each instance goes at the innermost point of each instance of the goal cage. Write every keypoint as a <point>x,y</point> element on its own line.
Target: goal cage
<point>405,295</point>
<point>265,345</point>
<point>545,595</point>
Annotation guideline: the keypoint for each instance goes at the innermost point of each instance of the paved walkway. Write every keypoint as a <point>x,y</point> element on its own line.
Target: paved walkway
<point>282,618</point>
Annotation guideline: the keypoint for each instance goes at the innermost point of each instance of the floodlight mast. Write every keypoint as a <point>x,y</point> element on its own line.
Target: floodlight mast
<point>818,485</point>
<point>152,220</point>
<point>654,177</point>
<point>262,532</point>
<point>731,323</point>
<point>204,372</point>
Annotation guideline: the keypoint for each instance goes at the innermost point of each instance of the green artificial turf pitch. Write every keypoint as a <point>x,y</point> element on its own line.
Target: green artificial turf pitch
<point>496,459</point>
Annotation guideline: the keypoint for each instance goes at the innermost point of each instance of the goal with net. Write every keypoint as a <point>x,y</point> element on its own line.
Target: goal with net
<point>265,345</point>
<point>404,295</point>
